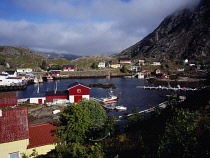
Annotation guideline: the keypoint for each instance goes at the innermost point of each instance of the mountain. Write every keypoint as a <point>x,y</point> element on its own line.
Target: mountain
<point>22,57</point>
<point>18,57</point>
<point>183,34</point>
<point>54,55</point>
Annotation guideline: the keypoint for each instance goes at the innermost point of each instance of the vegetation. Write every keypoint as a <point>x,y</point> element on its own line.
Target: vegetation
<point>181,130</point>
<point>81,123</point>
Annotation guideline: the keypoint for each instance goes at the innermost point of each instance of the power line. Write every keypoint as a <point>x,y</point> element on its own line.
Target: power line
<point>101,138</point>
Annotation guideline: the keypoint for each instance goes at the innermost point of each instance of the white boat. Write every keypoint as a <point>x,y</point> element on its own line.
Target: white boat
<point>49,78</point>
<point>38,80</point>
<point>121,107</point>
<point>110,98</point>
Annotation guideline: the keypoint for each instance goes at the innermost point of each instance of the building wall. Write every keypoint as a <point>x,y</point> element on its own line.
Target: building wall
<point>79,90</point>
<point>72,98</point>
<point>41,149</point>
<point>50,98</point>
<point>69,69</point>
<point>11,147</point>
<point>5,102</point>
<point>20,70</point>
<point>21,146</point>
<point>36,100</point>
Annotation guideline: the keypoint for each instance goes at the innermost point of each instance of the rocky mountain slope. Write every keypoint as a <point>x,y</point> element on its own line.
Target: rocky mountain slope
<point>184,34</point>
<point>17,57</point>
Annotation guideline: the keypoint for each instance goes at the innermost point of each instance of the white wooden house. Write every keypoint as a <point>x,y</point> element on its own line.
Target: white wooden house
<point>101,65</point>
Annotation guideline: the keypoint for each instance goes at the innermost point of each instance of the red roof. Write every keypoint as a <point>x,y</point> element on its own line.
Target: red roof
<point>14,125</point>
<point>41,134</point>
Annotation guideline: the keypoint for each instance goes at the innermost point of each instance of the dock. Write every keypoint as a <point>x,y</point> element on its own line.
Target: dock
<point>168,88</point>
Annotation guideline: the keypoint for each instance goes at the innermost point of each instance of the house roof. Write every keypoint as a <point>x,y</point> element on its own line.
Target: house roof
<point>124,59</point>
<point>41,134</point>
<point>14,125</point>
<point>56,93</point>
<point>10,72</point>
<point>68,65</point>
<point>77,83</point>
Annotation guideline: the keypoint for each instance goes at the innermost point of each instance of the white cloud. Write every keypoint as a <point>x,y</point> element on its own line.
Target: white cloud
<point>87,27</point>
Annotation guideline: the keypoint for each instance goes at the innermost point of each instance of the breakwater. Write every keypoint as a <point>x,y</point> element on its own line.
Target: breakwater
<point>188,82</point>
<point>89,74</point>
<point>15,87</point>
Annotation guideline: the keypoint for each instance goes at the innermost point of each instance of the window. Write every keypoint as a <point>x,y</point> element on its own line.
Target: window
<point>78,90</point>
<point>14,155</point>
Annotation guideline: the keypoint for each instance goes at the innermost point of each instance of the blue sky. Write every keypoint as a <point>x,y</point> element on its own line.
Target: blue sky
<point>82,27</point>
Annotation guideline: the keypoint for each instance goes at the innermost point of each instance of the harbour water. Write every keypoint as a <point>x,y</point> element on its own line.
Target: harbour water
<point>129,95</point>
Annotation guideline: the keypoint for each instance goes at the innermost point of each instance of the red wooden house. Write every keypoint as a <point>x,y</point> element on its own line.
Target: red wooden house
<point>74,94</point>
<point>78,92</point>
<point>125,60</point>
<point>52,95</point>
<point>14,125</point>
<point>68,67</point>
<point>53,73</point>
<point>8,99</point>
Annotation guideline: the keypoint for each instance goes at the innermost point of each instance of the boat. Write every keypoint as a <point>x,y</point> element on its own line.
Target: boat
<point>110,98</point>
<point>38,80</point>
<point>49,78</point>
<point>121,107</point>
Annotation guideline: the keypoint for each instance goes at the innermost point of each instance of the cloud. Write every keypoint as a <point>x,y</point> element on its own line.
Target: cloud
<point>85,27</point>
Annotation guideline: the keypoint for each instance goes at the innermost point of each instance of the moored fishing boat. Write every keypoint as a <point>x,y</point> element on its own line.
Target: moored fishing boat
<point>49,78</point>
<point>110,98</point>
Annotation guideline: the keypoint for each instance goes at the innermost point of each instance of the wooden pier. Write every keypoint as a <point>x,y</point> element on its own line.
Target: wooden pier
<point>168,88</point>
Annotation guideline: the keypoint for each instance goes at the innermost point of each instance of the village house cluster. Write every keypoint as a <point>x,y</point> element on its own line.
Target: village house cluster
<point>18,136</point>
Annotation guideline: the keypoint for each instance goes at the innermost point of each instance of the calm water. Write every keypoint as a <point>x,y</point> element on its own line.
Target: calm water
<point>130,96</point>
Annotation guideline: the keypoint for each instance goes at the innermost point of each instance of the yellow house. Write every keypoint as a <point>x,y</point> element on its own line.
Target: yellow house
<point>24,70</point>
<point>115,65</point>
<point>17,137</point>
<point>41,138</point>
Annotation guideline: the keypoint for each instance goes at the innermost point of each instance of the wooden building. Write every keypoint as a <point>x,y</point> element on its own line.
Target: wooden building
<point>52,95</point>
<point>125,60</point>
<point>68,68</point>
<point>8,99</point>
<point>17,137</point>
<point>78,92</point>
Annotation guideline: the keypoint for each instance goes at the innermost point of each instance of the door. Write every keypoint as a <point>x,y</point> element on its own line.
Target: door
<point>77,98</point>
<point>39,101</point>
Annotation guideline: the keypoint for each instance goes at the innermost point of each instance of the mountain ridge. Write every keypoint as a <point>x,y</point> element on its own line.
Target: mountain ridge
<point>183,34</point>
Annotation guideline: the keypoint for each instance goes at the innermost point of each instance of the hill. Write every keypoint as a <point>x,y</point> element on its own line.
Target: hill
<point>21,57</point>
<point>183,34</point>
<point>54,55</point>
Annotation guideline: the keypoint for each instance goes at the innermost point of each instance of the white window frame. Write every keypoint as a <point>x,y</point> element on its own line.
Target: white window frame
<point>9,155</point>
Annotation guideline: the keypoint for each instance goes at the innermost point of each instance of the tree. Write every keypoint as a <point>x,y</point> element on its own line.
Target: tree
<point>78,123</point>
<point>179,139</point>
<point>94,66</point>
<point>124,69</point>
<point>56,67</point>
<point>75,123</point>
<point>3,62</point>
<point>97,114</point>
<point>44,65</point>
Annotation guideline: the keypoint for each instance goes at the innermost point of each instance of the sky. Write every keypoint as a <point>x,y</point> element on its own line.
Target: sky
<point>82,27</point>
